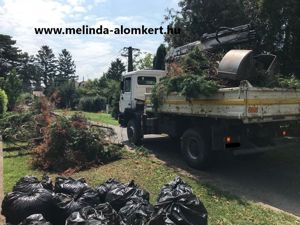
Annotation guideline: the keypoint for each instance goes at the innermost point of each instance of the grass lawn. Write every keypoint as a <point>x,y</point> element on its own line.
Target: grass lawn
<point>151,174</point>
<point>16,165</point>
<point>97,117</point>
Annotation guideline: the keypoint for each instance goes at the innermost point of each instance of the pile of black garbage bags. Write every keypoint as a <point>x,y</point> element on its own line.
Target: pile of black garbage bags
<point>73,202</point>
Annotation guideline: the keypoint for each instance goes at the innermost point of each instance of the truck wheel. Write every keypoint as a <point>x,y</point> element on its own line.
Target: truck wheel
<point>134,132</point>
<point>196,149</point>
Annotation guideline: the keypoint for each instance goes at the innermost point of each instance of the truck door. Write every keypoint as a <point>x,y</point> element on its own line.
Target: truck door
<point>126,94</point>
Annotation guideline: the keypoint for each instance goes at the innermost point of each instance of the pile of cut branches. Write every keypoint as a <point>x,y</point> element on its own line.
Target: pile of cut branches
<point>74,143</point>
<point>191,77</point>
<point>196,74</point>
<point>21,129</point>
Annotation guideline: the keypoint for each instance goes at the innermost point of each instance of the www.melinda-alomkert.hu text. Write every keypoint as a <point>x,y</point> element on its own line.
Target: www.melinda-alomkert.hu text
<point>101,30</point>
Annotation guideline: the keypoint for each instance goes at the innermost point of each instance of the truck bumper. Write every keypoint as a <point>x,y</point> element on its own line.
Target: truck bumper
<point>287,142</point>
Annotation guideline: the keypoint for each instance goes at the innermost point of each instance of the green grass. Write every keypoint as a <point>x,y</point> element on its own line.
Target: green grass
<point>151,174</point>
<point>16,165</point>
<point>96,117</point>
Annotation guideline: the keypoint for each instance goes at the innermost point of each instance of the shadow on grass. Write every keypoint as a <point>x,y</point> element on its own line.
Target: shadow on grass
<point>17,154</point>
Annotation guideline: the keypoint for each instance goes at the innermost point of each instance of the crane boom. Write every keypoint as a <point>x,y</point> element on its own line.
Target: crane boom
<point>224,36</point>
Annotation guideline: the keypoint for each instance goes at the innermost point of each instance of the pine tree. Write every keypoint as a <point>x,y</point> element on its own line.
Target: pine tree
<point>47,65</point>
<point>9,54</point>
<point>66,67</point>
<point>115,70</point>
<point>159,60</point>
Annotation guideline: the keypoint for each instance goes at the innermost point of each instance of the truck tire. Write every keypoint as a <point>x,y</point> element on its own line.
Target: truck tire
<point>134,133</point>
<point>196,149</point>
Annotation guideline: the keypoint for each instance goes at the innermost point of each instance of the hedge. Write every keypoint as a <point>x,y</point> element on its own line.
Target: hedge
<point>92,104</point>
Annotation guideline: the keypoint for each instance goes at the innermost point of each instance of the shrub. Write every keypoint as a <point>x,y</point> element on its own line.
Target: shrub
<point>13,88</point>
<point>73,143</point>
<point>3,102</point>
<point>25,99</point>
<point>67,95</point>
<point>92,104</point>
<point>24,102</point>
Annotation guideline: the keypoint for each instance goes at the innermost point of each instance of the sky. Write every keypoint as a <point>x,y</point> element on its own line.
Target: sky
<point>92,53</point>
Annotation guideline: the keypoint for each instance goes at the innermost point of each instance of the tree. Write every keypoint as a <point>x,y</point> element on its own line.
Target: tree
<point>198,17</point>
<point>115,70</point>
<point>276,23</point>
<point>66,67</point>
<point>145,62</point>
<point>159,60</point>
<point>48,66</point>
<point>281,32</point>
<point>89,88</point>
<point>29,73</point>
<point>12,86</point>
<point>9,54</point>
<point>67,95</point>
<point>13,58</point>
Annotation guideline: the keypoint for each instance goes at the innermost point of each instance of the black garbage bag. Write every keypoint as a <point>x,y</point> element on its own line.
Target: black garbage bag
<point>120,194</point>
<point>103,214</point>
<point>30,183</point>
<point>67,204</point>
<point>137,211</point>
<point>35,219</point>
<point>109,213</point>
<point>174,188</point>
<point>47,182</point>
<point>69,185</point>
<point>16,206</point>
<point>104,188</point>
<point>177,205</point>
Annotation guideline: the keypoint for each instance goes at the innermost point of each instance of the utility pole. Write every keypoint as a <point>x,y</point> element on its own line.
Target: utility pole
<point>128,52</point>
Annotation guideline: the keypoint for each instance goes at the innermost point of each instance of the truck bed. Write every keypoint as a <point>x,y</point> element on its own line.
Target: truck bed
<point>249,104</point>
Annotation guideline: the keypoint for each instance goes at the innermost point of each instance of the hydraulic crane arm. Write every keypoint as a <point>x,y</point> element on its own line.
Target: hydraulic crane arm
<point>224,36</point>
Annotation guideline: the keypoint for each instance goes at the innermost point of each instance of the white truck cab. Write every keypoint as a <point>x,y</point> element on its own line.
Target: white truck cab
<point>135,84</point>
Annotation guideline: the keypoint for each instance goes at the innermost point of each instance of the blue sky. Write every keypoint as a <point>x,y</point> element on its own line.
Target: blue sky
<point>92,53</point>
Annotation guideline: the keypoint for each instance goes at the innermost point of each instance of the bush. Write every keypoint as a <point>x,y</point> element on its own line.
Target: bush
<point>24,102</point>
<point>3,102</point>
<point>25,99</point>
<point>92,104</point>
<point>67,95</point>
<point>73,143</point>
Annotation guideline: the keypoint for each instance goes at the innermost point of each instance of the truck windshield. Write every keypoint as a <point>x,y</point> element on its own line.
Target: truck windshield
<point>143,80</point>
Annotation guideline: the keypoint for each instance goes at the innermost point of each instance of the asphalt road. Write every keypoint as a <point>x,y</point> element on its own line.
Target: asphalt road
<point>272,179</point>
